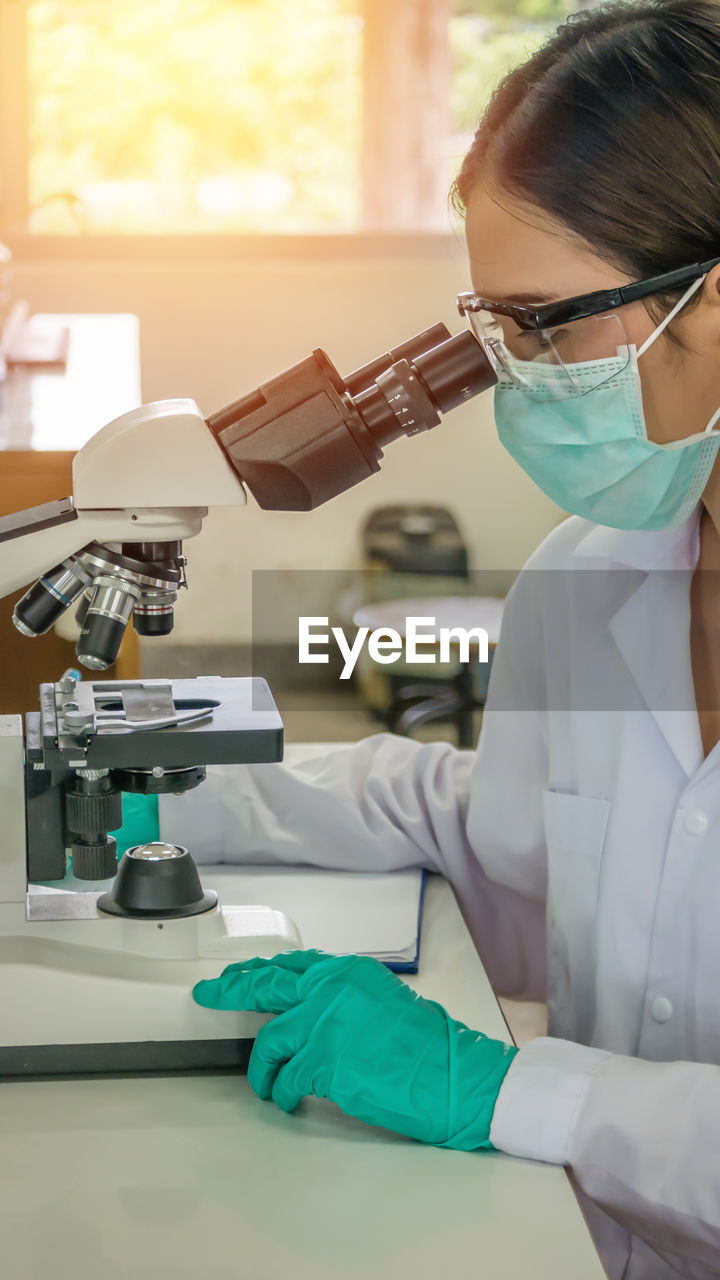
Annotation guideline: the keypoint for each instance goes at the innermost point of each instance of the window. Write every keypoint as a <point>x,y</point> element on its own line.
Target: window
<point>488,38</point>
<point>245,116</point>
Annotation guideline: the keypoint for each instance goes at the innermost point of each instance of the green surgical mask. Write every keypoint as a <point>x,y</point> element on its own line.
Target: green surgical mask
<point>590,451</point>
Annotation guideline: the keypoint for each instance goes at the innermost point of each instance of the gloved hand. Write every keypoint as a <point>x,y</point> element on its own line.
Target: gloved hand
<point>350,1030</point>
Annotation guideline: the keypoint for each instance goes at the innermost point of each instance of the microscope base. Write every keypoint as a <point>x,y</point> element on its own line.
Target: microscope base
<point>87,993</point>
<point>157,1056</point>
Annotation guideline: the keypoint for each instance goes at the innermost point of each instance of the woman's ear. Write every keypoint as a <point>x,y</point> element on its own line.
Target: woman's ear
<point>711,286</point>
<point>701,327</point>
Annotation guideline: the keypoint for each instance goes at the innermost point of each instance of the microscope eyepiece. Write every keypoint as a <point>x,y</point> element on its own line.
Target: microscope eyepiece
<point>455,371</point>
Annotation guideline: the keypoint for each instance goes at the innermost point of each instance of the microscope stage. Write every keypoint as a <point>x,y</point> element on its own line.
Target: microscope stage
<point>243,724</point>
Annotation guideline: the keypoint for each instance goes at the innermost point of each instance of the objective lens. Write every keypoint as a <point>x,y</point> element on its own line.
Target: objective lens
<point>48,599</point>
<point>154,613</point>
<point>110,584</point>
<point>82,607</point>
<point>108,614</point>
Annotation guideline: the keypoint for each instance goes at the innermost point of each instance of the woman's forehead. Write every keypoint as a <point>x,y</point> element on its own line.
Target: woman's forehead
<point>519,252</point>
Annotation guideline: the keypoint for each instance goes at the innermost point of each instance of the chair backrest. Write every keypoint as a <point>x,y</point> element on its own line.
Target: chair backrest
<point>416,539</point>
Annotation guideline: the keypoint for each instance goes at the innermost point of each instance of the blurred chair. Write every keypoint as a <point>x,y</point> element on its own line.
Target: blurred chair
<point>408,550</point>
<point>456,689</point>
<point>418,539</point>
<point>417,552</point>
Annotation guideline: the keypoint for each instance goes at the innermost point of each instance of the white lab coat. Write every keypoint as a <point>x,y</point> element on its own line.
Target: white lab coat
<point>583,842</point>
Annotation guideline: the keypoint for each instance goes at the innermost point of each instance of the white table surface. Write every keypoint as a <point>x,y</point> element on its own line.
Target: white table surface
<point>49,409</point>
<point>194,1178</point>
<point>467,612</point>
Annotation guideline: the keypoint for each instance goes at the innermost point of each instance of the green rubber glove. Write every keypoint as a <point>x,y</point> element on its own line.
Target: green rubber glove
<point>350,1030</point>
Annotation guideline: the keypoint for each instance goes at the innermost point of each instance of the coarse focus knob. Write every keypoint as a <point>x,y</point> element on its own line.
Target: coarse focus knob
<point>94,861</point>
<point>93,814</point>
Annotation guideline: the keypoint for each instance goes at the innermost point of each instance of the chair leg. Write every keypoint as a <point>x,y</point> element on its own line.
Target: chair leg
<point>455,701</point>
<point>436,708</point>
<point>467,702</point>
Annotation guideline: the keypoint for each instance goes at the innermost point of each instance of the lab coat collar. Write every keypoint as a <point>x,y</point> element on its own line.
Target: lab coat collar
<point>652,628</point>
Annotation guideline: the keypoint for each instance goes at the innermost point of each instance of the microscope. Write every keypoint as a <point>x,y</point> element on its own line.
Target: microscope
<point>97,981</point>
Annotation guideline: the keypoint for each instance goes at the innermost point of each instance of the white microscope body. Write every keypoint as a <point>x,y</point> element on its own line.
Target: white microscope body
<point>81,989</point>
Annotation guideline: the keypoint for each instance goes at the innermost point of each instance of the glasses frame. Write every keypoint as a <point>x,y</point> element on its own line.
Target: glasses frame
<point>584,305</point>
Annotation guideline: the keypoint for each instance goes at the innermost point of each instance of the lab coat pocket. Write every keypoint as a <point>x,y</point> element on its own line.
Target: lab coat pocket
<point>575,835</point>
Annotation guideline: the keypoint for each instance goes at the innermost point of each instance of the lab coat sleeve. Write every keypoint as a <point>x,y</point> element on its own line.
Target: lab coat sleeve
<point>389,803</point>
<point>381,804</point>
<point>642,1139</point>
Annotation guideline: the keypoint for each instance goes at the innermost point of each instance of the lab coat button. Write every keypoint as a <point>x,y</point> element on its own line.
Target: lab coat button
<point>696,822</point>
<point>661,1009</point>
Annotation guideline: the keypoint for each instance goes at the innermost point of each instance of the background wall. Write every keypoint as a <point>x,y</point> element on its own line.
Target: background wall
<point>213,328</point>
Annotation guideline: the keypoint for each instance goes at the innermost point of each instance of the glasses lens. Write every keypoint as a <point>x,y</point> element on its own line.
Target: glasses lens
<point>549,364</point>
<point>492,332</point>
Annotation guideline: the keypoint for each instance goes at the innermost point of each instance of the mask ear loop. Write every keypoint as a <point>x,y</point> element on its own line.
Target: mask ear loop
<point>671,316</point>
<point>708,430</point>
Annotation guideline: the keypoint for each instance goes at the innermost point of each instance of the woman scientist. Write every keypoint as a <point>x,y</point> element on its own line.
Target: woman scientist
<point>582,838</point>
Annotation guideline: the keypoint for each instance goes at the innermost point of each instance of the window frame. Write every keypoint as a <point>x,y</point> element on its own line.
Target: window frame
<point>14,197</point>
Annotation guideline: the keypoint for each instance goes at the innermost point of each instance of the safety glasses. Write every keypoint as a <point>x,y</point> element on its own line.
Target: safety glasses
<point>584,330</point>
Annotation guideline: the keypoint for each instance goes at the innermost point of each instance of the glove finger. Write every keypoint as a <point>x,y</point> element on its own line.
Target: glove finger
<point>298,961</point>
<point>264,990</point>
<point>296,1079</point>
<point>275,1044</point>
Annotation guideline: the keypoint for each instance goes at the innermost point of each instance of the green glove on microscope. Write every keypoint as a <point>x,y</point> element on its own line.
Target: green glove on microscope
<point>350,1030</point>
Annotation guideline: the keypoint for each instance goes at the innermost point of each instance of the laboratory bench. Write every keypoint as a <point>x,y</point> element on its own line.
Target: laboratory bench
<point>192,1177</point>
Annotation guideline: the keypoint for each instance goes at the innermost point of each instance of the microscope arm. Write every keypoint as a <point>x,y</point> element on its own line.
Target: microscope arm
<point>160,456</point>
<point>140,487</point>
<point>149,476</point>
<point>32,541</point>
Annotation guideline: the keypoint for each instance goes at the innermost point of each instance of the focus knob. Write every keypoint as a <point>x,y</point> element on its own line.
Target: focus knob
<point>89,814</point>
<point>96,861</point>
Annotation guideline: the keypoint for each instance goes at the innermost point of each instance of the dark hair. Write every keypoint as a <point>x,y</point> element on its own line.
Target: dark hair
<point>613,128</point>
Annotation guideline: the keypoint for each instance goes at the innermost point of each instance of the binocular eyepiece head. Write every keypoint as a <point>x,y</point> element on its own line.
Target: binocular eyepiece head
<point>310,434</point>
